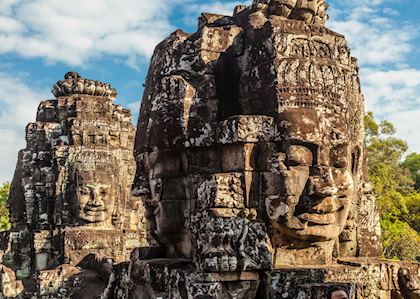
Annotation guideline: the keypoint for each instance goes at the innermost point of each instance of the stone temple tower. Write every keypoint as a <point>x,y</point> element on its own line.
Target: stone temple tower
<point>70,196</point>
<point>250,158</point>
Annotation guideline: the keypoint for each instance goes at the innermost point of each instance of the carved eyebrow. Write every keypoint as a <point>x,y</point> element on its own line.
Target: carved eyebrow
<point>310,145</point>
<point>341,145</point>
<point>86,185</point>
<point>103,186</point>
<point>93,185</point>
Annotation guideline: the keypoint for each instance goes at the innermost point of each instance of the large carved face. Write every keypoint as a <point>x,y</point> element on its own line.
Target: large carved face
<point>317,170</point>
<point>94,197</point>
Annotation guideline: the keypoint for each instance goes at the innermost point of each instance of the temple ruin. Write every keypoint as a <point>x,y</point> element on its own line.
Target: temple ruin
<point>249,166</point>
<point>71,193</point>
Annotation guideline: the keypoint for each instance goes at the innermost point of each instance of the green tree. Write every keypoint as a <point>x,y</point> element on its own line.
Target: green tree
<point>412,217</point>
<point>399,240</point>
<point>393,186</point>
<point>391,180</point>
<point>4,213</point>
<point>412,162</point>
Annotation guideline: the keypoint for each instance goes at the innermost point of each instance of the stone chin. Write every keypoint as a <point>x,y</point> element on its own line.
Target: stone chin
<point>94,216</point>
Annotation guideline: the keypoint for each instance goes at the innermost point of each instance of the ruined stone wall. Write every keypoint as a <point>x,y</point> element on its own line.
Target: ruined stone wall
<point>249,159</point>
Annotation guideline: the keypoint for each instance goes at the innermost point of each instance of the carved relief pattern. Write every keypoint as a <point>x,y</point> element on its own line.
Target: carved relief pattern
<point>73,84</point>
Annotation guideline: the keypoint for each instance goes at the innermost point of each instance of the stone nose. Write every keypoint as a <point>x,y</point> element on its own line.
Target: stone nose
<point>321,182</point>
<point>95,199</point>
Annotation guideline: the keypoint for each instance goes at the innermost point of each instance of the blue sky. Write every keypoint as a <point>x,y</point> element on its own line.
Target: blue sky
<point>112,40</point>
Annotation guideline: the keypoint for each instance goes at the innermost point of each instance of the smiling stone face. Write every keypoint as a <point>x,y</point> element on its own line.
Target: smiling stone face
<point>317,176</point>
<point>317,179</point>
<point>95,196</point>
<point>274,155</point>
<point>92,193</point>
<point>317,199</point>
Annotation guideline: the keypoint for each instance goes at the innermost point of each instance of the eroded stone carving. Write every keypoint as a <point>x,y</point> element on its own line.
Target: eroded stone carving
<point>71,194</point>
<point>92,188</point>
<point>250,156</point>
<point>73,84</point>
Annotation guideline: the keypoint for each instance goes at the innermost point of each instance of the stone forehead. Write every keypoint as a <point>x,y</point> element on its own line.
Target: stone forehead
<point>97,177</point>
<point>89,161</point>
<point>314,126</point>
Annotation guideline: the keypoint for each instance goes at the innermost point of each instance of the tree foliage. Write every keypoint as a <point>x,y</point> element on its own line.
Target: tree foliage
<point>412,162</point>
<point>4,213</point>
<point>394,187</point>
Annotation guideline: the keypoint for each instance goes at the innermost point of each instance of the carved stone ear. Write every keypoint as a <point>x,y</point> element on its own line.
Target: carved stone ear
<point>356,162</point>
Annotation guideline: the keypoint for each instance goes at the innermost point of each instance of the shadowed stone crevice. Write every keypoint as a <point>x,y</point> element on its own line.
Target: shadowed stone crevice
<point>227,77</point>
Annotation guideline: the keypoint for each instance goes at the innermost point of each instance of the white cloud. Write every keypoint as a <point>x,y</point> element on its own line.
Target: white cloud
<point>390,11</point>
<point>395,95</point>
<point>391,91</point>
<point>12,143</point>
<point>390,85</point>
<point>135,109</point>
<point>10,25</point>
<point>80,30</point>
<point>408,126</point>
<point>18,104</point>
<point>6,5</point>
<point>217,7</point>
<point>374,37</point>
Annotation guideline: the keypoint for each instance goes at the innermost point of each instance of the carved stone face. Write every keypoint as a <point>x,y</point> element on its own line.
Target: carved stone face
<point>94,196</point>
<point>317,171</point>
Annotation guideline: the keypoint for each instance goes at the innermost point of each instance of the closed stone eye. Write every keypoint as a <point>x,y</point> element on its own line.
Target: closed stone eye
<point>299,155</point>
